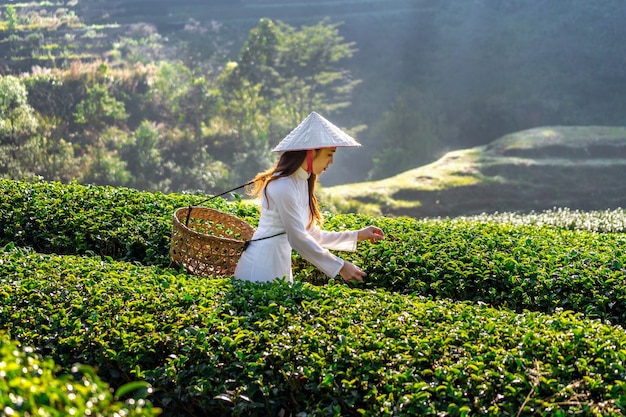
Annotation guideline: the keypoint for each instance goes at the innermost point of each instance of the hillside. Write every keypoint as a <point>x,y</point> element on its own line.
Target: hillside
<point>580,168</point>
<point>433,76</point>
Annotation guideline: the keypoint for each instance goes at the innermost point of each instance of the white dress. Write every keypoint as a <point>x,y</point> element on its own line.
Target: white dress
<point>285,208</point>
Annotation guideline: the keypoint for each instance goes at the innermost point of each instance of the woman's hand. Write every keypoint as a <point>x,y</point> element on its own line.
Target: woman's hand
<point>371,233</point>
<point>351,272</point>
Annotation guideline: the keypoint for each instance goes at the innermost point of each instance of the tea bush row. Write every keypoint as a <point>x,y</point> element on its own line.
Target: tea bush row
<point>603,221</point>
<point>226,347</point>
<point>518,267</point>
<point>118,222</point>
<point>33,386</point>
<point>521,267</point>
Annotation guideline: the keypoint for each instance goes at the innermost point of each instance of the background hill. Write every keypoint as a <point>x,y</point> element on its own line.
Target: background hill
<point>440,75</point>
<point>533,170</point>
<point>432,76</point>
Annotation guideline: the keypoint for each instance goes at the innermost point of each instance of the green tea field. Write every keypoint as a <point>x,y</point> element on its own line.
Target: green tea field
<point>501,315</point>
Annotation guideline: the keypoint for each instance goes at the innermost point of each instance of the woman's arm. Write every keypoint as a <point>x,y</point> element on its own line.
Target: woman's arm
<point>346,241</point>
<point>343,241</point>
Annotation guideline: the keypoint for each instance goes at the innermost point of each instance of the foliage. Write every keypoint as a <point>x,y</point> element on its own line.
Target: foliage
<point>118,222</point>
<point>409,134</point>
<point>606,221</point>
<point>11,16</point>
<point>222,346</point>
<point>296,69</point>
<point>307,63</point>
<point>17,118</point>
<point>209,130</point>
<point>258,58</point>
<point>282,74</point>
<point>537,268</point>
<point>142,155</point>
<point>31,386</point>
<point>479,70</point>
<point>516,266</point>
<point>458,317</point>
<point>98,109</point>
<point>18,130</point>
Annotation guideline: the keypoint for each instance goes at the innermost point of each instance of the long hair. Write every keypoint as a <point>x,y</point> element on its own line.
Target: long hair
<point>288,164</point>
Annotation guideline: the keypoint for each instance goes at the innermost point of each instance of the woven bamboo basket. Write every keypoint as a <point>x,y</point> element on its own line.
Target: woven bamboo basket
<point>207,242</point>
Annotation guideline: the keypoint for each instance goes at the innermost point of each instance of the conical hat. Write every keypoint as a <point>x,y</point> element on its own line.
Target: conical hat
<point>315,132</point>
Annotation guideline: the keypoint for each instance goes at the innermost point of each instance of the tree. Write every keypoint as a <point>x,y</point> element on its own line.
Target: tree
<point>12,17</point>
<point>282,74</point>
<point>99,109</point>
<point>27,149</point>
<point>53,160</point>
<point>100,113</point>
<point>308,65</point>
<point>298,70</point>
<point>103,164</point>
<point>258,59</point>
<point>143,156</point>
<point>184,98</point>
<point>17,117</point>
<point>17,123</point>
<point>410,134</point>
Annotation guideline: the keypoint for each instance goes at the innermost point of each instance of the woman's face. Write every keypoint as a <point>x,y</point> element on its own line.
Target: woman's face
<point>322,159</point>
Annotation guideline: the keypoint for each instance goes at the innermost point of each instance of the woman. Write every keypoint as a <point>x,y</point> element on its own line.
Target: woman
<point>290,215</point>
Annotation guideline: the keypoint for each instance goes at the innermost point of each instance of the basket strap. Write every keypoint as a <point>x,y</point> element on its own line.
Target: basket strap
<point>247,242</point>
<point>212,197</point>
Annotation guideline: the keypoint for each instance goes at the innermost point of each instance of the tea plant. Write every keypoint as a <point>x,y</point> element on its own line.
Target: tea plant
<point>605,221</point>
<point>75,219</point>
<point>519,267</point>
<point>420,336</point>
<point>32,386</point>
<point>227,347</point>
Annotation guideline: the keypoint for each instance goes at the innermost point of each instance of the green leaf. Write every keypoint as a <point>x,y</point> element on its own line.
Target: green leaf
<point>130,387</point>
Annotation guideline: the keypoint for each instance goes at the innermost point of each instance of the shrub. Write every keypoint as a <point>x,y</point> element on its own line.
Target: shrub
<point>31,386</point>
<point>518,266</point>
<point>76,219</point>
<point>227,347</point>
<point>420,336</point>
<point>538,268</point>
